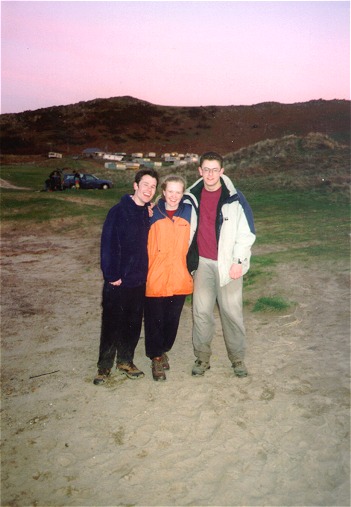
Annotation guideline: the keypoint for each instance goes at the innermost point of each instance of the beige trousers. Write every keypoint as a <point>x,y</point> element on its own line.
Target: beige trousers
<point>207,292</point>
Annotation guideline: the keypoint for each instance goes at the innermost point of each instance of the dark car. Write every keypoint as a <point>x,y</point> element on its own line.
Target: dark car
<point>85,181</point>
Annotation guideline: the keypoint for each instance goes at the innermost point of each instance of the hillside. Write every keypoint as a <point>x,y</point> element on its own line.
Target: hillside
<point>310,161</point>
<point>128,124</point>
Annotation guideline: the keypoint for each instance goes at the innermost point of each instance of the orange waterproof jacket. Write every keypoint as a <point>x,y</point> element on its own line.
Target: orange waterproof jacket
<point>168,244</point>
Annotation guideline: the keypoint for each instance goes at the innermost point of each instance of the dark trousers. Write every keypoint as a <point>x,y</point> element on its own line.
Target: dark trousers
<point>161,321</point>
<point>122,316</point>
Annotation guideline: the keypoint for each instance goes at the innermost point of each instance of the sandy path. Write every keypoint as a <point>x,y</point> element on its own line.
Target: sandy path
<point>7,184</point>
<point>279,437</point>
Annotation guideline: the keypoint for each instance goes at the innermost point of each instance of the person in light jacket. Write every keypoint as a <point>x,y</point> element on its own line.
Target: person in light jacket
<point>172,228</point>
<point>219,256</point>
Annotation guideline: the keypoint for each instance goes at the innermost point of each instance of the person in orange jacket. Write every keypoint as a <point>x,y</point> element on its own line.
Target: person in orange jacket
<point>172,228</point>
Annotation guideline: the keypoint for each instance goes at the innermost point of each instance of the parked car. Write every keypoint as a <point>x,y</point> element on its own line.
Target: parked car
<point>86,181</point>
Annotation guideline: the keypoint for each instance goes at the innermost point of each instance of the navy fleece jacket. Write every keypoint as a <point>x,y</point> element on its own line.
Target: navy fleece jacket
<point>124,243</point>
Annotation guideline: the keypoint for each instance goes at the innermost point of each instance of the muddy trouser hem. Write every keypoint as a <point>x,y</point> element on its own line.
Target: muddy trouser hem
<point>207,291</point>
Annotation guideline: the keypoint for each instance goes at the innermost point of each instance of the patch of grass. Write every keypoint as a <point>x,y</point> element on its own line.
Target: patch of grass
<point>263,261</point>
<point>33,174</point>
<point>259,268</point>
<point>271,304</point>
<point>290,224</point>
<point>300,224</point>
<point>82,208</point>
<point>17,206</point>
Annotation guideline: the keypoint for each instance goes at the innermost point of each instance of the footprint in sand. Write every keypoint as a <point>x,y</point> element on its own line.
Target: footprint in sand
<point>64,459</point>
<point>267,394</point>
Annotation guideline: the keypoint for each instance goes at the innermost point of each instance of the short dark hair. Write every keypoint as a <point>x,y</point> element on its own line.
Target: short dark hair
<point>146,172</point>
<point>211,155</point>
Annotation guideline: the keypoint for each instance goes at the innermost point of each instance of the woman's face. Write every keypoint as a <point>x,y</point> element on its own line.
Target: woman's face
<point>173,193</point>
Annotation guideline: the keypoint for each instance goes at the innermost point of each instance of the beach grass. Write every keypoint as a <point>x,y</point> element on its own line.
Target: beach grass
<point>301,225</point>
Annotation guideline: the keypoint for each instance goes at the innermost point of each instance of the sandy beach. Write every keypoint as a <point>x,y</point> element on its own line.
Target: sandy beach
<point>279,437</point>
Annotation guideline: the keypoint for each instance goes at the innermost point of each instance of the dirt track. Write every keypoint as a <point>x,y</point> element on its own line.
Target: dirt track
<point>7,184</point>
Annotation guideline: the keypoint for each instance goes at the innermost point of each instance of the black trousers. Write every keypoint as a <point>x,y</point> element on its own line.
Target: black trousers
<point>161,321</point>
<point>122,316</point>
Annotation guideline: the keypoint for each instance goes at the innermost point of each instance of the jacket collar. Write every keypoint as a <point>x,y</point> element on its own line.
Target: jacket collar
<point>161,205</point>
<point>194,191</point>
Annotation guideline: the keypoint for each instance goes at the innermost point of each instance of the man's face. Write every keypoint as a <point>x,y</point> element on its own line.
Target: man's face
<point>145,190</point>
<point>211,171</point>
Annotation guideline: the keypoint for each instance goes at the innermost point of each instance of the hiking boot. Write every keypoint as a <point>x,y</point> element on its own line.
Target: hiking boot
<point>130,370</point>
<point>101,376</point>
<point>165,362</point>
<point>200,367</point>
<point>158,372</point>
<point>240,369</point>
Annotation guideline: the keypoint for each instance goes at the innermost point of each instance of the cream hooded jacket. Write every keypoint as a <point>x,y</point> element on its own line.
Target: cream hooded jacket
<point>235,230</point>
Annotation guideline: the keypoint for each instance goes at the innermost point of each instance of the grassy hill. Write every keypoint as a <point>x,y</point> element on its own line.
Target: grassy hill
<point>128,124</point>
<point>291,183</point>
<point>312,161</point>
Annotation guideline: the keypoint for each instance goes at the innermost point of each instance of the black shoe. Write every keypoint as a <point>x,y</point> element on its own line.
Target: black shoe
<point>101,376</point>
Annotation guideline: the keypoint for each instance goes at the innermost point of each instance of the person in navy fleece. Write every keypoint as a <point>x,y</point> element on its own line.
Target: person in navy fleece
<point>124,264</point>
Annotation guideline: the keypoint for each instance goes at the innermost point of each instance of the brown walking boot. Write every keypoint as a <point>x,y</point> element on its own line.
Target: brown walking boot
<point>165,362</point>
<point>158,372</point>
<point>130,370</point>
<point>101,376</point>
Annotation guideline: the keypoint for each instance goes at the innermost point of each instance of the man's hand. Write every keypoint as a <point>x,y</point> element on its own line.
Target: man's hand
<point>117,282</point>
<point>236,271</point>
<point>150,210</point>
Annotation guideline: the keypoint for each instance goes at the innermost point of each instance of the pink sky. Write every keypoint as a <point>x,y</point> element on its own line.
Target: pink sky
<point>173,53</point>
